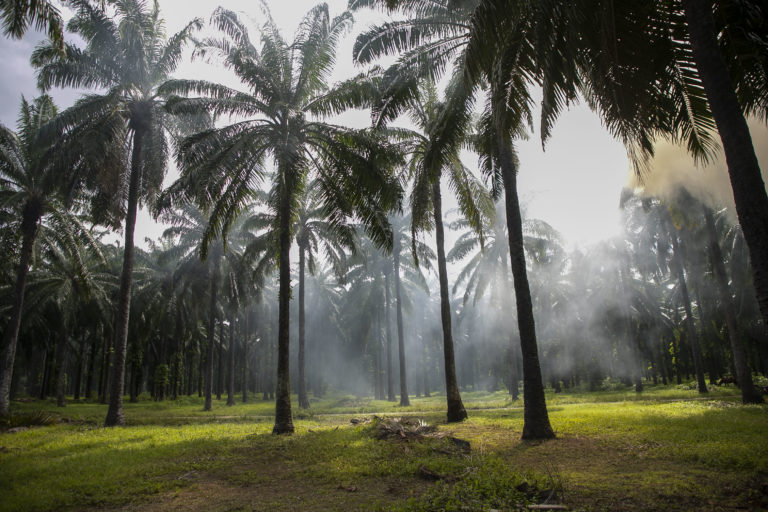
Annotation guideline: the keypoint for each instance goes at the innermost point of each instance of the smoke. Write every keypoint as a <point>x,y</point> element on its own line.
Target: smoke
<point>673,168</point>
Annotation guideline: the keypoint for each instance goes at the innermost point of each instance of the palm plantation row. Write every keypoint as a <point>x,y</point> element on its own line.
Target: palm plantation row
<point>264,167</point>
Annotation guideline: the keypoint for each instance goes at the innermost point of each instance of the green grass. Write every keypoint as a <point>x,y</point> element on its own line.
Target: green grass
<point>664,448</point>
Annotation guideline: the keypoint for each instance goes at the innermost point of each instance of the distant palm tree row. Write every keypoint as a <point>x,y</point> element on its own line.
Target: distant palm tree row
<point>262,167</point>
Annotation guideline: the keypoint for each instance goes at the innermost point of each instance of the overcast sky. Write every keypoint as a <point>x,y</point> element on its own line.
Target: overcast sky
<point>574,185</point>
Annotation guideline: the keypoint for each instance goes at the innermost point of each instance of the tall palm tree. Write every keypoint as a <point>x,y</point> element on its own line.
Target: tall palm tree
<point>419,252</point>
<point>324,300</point>
<point>488,266</point>
<point>651,69</point>
<point>717,79</point>
<point>314,231</point>
<point>369,274</point>
<point>439,33</point>
<point>426,201</point>
<point>127,56</point>
<point>189,224</point>
<point>743,373</point>
<point>34,183</point>
<point>283,115</point>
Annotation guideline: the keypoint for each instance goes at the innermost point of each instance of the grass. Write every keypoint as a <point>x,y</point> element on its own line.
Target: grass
<point>616,450</point>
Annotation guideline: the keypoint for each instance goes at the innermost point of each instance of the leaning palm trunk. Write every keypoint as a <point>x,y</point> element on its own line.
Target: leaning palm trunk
<point>303,399</point>
<point>115,415</point>
<point>283,417</point>
<point>456,411</point>
<point>32,214</point>
<point>535,417</point>
<point>743,168</point>
<point>743,374</point>
<point>400,335</point>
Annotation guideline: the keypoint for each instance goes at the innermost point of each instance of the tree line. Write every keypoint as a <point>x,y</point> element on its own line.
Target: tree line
<point>263,166</point>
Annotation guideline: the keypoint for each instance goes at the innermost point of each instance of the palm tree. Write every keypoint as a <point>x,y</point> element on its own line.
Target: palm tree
<point>743,373</point>
<point>189,224</point>
<point>34,183</point>
<point>474,202</point>
<point>71,276</point>
<point>369,275</point>
<point>127,56</point>
<point>324,299</point>
<point>651,69</point>
<point>17,15</point>
<point>283,110</point>
<point>743,168</point>
<point>488,267</point>
<point>419,252</point>
<point>313,231</point>
<point>443,32</point>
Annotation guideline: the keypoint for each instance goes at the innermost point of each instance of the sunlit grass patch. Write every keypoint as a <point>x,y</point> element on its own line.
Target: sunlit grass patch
<point>661,444</point>
<point>55,467</point>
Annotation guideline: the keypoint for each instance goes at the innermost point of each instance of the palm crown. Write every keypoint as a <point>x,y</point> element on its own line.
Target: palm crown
<point>281,118</point>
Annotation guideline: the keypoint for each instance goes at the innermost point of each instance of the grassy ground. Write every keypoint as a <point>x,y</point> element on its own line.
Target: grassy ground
<point>666,448</point>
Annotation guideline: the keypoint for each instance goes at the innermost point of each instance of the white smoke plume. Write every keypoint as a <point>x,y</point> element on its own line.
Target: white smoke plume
<point>673,167</point>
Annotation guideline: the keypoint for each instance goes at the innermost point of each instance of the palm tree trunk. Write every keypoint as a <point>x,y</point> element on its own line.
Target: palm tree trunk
<point>514,377</point>
<point>743,373</point>
<point>91,363</point>
<point>79,369</point>
<point>691,328</point>
<point>115,415</point>
<point>514,384</point>
<point>378,391</point>
<point>220,361</point>
<point>178,350</point>
<point>31,218</point>
<point>45,378</point>
<point>283,416</point>
<point>535,417</point>
<point>388,301</point>
<point>231,383</point>
<point>400,335</point>
<point>213,267</point>
<point>245,356</point>
<point>104,369</point>
<point>60,358</point>
<point>456,411</point>
<point>303,400</point>
<point>743,168</point>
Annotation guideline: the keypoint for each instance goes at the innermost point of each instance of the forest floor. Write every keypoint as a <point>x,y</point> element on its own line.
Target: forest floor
<point>664,449</point>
